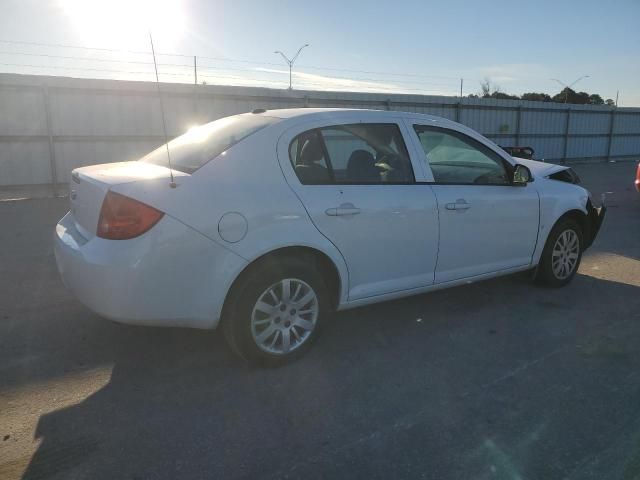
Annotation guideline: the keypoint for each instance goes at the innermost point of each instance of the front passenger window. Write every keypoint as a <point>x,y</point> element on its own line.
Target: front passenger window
<point>457,158</point>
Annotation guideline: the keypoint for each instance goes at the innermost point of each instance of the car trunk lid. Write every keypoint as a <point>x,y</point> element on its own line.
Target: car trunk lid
<point>89,185</point>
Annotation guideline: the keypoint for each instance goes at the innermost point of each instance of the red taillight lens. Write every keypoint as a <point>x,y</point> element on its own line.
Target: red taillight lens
<point>122,217</point>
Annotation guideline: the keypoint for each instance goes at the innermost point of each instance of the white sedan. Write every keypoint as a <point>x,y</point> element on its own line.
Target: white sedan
<point>265,222</point>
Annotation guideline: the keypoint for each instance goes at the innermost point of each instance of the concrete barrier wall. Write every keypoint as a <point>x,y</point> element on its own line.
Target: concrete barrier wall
<point>50,125</point>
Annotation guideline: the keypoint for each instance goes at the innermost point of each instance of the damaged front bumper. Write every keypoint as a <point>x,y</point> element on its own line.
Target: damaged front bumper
<point>595,217</point>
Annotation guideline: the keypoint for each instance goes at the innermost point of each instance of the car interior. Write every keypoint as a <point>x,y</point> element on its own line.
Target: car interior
<point>310,165</point>
<point>357,154</point>
<point>454,160</point>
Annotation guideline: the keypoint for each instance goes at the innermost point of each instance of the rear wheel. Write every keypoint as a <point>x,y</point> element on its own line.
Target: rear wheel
<point>561,255</point>
<point>275,311</point>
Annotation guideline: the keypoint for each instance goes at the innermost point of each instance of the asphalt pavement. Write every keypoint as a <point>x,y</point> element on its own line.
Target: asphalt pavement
<point>494,380</point>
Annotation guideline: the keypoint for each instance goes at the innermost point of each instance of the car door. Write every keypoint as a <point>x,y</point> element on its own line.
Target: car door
<point>487,224</point>
<point>357,182</point>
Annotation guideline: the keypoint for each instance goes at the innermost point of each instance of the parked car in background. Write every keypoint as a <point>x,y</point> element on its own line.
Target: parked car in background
<point>279,217</point>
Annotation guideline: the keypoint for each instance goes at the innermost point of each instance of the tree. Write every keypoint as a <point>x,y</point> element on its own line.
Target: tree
<point>595,99</point>
<point>504,96</point>
<point>563,96</point>
<point>610,102</point>
<point>568,95</point>
<point>583,98</point>
<point>536,97</point>
<point>485,88</point>
<point>489,90</point>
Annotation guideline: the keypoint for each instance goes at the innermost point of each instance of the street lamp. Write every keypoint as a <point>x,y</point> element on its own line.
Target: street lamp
<point>566,95</point>
<point>290,62</point>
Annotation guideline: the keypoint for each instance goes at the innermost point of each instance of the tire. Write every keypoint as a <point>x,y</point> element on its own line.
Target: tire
<point>259,305</point>
<point>562,254</point>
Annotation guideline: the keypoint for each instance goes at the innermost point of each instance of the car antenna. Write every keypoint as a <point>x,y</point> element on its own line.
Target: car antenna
<point>172,184</point>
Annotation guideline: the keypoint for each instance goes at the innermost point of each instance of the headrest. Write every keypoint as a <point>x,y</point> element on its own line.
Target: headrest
<point>311,152</point>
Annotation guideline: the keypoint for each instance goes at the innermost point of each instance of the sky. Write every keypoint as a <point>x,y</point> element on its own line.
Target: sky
<point>400,46</point>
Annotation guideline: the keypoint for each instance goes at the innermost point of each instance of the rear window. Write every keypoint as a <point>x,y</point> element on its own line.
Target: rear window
<point>200,144</point>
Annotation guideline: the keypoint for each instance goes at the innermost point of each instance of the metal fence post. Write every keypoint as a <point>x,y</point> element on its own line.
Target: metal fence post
<point>52,150</point>
<point>518,119</point>
<point>195,95</point>
<point>611,127</point>
<point>387,104</point>
<point>566,135</point>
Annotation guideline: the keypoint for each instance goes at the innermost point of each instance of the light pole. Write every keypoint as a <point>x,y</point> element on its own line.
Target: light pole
<point>566,95</point>
<point>290,62</point>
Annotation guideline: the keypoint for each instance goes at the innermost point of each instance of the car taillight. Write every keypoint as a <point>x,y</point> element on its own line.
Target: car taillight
<point>122,217</point>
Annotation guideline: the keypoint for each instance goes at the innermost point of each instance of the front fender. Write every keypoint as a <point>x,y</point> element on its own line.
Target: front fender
<point>556,199</point>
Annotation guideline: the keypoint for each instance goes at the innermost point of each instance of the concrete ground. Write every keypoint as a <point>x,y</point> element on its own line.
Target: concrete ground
<point>496,380</point>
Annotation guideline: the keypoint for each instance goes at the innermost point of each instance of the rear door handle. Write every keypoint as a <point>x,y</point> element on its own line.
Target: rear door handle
<point>344,209</point>
<point>460,204</point>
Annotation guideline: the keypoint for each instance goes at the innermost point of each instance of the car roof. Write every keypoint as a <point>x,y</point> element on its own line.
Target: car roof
<point>292,116</point>
<point>311,113</point>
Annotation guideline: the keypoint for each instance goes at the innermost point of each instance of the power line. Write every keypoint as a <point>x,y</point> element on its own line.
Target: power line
<point>58,45</point>
<point>66,57</point>
<point>222,77</point>
<point>217,76</point>
<point>59,67</point>
<point>342,85</point>
<point>251,62</point>
<point>358,79</point>
<point>378,73</point>
<point>226,59</point>
<point>337,82</point>
<point>264,71</point>
<point>110,60</point>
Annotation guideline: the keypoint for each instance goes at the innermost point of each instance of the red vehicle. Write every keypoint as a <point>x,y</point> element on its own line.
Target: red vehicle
<point>638,178</point>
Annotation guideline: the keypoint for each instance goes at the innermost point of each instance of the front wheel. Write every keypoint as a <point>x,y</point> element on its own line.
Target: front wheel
<point>561,255</point>
<point>276,312</point>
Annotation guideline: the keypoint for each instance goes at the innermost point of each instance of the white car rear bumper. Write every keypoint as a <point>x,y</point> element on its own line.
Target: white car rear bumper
<point>169,276</point>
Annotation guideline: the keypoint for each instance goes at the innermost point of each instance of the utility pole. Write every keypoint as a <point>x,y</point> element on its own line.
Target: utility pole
<point>291,61</point>
<point>617,93</point>
<point>195,71</point>
<point>461,83</point>
<point>568,87</point>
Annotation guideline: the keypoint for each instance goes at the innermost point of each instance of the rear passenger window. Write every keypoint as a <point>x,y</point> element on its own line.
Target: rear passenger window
<point>308,159</point>
<point>352,154</point>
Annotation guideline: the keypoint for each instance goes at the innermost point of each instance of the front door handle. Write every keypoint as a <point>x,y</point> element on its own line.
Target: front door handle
<point>344,209</point>
<point>460,204</point>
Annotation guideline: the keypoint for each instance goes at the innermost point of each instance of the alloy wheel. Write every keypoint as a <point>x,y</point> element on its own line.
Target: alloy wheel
<point>564,256</point>
<point>284,316</point>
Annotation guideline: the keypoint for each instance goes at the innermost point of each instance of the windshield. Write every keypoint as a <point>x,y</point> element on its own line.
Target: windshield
<point>201,144</point>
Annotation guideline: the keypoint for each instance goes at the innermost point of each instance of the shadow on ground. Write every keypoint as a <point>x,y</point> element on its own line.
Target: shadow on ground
<point>494,380</point>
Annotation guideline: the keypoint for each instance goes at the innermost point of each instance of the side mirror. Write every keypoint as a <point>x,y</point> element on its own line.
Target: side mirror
<point>521,176</point>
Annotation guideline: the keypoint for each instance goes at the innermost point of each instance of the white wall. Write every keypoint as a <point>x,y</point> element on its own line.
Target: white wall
<point>50,125</point>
